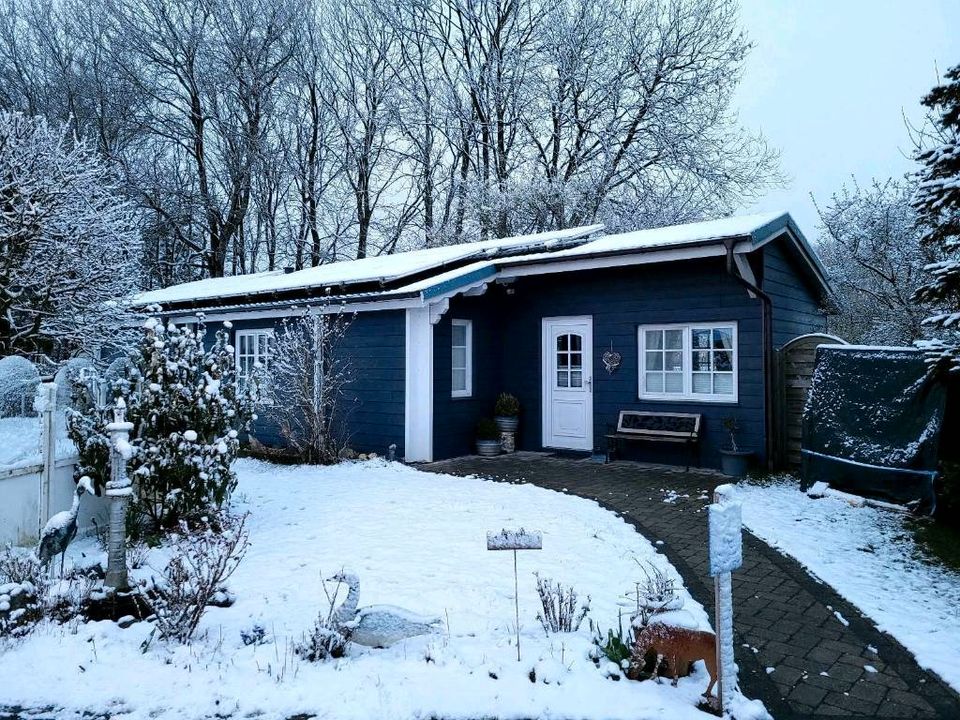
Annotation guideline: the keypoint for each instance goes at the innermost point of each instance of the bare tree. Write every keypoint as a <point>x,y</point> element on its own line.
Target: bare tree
<point>307,376</point>
<point>871,246</point>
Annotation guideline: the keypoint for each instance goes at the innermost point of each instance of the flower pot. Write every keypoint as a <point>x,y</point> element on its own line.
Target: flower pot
<point>488,448</point>
<point>735,462</point>
<point>507,423</point>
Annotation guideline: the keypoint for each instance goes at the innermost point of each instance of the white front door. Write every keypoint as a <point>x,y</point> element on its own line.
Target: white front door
<point>568,382</point>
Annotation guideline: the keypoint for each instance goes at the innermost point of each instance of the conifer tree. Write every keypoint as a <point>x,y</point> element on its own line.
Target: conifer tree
<point>937,203</point>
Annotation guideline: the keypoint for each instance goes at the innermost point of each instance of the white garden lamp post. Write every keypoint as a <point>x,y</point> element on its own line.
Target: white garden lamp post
<point>119,490</point>
<point>726,555</point>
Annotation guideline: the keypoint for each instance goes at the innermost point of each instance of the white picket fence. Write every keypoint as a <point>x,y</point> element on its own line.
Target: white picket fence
<point>30,492</point>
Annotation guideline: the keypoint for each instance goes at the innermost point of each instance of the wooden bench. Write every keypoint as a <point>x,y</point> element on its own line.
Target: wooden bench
<point>655,427</point>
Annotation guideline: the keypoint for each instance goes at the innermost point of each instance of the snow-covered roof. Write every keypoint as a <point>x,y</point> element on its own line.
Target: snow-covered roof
<point>382,268</point>
<point>672,235</point>
<point>435,271</point>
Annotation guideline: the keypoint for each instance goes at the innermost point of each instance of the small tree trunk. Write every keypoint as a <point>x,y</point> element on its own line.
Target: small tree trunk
<point>119,490</point>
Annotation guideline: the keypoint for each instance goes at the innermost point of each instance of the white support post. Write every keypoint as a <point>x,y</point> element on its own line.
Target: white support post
<point>45,404</point>
<point>119,490</point>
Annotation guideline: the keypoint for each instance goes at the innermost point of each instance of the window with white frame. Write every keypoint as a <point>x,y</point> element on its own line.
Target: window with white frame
<point>252,348</point>
<point>689,362</point>
<point>461,353</point>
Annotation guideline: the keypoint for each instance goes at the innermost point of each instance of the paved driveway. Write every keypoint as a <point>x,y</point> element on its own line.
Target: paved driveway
<point>784,619</point>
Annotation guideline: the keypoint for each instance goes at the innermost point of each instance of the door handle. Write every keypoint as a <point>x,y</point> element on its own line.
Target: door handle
<point>589,383</point>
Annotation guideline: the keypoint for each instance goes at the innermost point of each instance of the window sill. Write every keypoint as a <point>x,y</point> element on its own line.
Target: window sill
<point>690,399</point>
<point>461,396</point>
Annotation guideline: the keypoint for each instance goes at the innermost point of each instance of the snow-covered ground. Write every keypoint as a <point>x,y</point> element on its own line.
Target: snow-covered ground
<point>416,540</point>
<point>870,558</point>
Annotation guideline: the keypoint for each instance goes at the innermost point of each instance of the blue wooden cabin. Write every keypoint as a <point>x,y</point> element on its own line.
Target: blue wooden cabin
<point>695,313</point>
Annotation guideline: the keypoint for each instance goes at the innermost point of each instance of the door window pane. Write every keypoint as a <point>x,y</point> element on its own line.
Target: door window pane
<point>576,379</point>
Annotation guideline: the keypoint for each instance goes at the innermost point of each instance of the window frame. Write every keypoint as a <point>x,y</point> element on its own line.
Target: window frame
<point>467,391</point>
<point>688,395</point>
<point>251,332</point>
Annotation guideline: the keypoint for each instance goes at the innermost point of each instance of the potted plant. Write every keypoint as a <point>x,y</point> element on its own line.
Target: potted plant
<point>507,412</point>
<point>734,460</point>
<point>488,438</point>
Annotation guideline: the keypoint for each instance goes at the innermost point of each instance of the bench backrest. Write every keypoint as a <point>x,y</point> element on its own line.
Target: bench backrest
<point>659,423</point>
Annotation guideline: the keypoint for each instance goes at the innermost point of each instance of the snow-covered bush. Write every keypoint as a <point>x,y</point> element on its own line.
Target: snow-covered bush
<point>23,588</point>
<point>561,612</point>
<point>18,384</point>
<point>326,639</point>
<point>202,559</point>
<point>69,243</point>
<point>306,380</point>
<point>188,411</point>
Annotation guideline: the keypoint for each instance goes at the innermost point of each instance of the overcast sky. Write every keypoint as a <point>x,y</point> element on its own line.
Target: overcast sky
<point>828,84</point>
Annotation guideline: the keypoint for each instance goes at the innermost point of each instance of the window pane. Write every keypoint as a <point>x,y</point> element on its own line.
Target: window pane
<point>673,339</point>
<point>654,382</point>
<point>673,382</point>
<point>654,361</point>
<point>459,335</point>
<point>262,346</point>
<point>459,357</point>
<point>723,383</point>
<point>563,360</point>
<point>654,339</point>
<point>673,361</point>
<point>723,361</point>
<point>723,338</point>
<point>459,379</point>
<point>562,343</point>
<point>562,378</point>
<point>701,361</point>
<point>701,338</point>
<point>576,360</point>
<point>576,342</point>
<point>576,379</point>
<point>701,383</point>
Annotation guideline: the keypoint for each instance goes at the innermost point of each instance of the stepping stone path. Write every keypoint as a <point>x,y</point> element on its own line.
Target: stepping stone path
<point>801,649</point>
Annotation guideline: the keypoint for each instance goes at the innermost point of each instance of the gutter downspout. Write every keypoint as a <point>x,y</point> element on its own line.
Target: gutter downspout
<point>766,310</point>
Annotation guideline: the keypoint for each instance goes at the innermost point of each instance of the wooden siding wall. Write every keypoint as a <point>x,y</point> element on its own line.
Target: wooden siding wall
<point>797,306</point>
<point>455,419</point>
<point>372,409</point>
<point>619,300</point>
<point>797,310</point>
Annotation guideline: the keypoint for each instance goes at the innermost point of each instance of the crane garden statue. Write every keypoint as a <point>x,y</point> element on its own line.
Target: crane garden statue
<point>60,529</point>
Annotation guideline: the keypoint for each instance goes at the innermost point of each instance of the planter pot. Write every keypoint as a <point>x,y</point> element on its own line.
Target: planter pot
<point>735,462</point>
<point>507,423</point>
<point>508,442</point>
<point>488,448</point>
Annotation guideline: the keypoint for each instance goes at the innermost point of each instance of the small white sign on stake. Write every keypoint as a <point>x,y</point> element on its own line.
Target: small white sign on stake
<point>726,555</point>
<point>515,540</point>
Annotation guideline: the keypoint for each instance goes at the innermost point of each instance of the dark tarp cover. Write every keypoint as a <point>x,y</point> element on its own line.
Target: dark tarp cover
<point>872,423</point>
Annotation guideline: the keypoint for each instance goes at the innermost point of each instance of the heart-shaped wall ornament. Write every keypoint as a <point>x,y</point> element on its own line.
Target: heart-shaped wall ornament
<point>611,360</point>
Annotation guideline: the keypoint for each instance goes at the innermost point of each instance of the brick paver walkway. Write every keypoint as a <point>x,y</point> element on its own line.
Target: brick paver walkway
<point>784,619</point>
